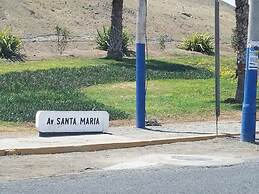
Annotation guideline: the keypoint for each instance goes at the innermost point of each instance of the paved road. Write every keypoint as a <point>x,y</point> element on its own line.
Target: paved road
<point>222,165</point>
<point>240,178</point>
<point>36,166</point>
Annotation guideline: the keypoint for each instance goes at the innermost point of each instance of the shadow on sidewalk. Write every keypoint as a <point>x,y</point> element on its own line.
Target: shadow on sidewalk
<point>177,132</point>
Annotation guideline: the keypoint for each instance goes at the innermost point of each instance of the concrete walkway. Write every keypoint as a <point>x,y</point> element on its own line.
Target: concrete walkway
<point>118,137</point>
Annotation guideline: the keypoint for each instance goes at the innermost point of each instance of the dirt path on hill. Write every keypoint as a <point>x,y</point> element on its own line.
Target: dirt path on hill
<point>35,22</point>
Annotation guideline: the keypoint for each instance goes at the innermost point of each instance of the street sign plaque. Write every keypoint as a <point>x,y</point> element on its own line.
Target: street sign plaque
<point>72,121</point>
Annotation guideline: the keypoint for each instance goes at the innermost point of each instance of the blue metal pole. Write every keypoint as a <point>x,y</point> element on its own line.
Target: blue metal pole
<point>140,88</point>
<point>248,129</point>
<point>141,65</point>
<point>249,105</point>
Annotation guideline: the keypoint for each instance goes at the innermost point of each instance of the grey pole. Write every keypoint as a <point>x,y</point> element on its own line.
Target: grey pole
<point>217,64</point>
<point>253,27</point>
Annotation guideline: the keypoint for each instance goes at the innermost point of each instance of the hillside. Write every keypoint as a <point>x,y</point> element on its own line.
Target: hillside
<point>34,20</point>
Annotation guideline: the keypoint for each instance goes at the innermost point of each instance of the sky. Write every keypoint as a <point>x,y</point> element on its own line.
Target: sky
<point>232,2</point>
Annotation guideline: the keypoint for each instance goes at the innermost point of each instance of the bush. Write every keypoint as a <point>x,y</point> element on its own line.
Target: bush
<point>103,37</point>
<point>10,45</point>
<point>162,41</point>
<point>62,38</point>
<point>199,42</point>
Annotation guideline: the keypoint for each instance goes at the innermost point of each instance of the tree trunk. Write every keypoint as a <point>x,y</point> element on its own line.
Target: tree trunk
<point>242,14</point>
<point>115,42</point>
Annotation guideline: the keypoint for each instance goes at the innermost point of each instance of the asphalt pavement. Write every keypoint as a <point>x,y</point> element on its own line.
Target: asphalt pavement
<point>236,179</point>
<point>218,165</point>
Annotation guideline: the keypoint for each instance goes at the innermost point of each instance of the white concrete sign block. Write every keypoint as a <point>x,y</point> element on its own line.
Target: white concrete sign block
<point>72,121</point>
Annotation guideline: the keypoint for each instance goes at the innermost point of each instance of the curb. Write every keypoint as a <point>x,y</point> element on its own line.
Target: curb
<point>105,146</point>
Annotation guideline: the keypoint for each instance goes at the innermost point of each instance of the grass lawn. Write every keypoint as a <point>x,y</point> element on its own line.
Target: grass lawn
<point>166,98</point>
<point>178,86</point>
<point>8,67</point>
<point>7,127</point>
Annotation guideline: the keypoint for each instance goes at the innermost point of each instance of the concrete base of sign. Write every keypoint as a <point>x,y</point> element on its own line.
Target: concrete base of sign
<point>64,123</point>
<point>62,134</point>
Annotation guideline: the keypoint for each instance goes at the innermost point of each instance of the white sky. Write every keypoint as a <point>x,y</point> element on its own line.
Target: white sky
<point>232,2</point>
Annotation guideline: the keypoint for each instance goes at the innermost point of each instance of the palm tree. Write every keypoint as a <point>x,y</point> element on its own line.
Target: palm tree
<point>242,14</point>
<point>115,41</point>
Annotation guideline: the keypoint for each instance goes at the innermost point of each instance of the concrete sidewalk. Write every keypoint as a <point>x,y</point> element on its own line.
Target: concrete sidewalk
<point>118,137</point>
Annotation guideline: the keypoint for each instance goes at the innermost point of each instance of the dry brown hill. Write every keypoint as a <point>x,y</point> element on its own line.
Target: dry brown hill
<point>34,20</point>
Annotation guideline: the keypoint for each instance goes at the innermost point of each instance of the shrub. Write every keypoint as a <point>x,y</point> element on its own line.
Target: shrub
<point>199,42</point>
<point>62,38</point>
<point>10,45</point>
<point>103,37</point>
<point>162,41</point>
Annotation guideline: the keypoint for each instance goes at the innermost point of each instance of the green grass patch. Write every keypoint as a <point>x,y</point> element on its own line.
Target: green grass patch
<point>165,98</point>
<point>16,127</point>
<point>62,84</point>
<point>7,67</point>
<point>228,63</point>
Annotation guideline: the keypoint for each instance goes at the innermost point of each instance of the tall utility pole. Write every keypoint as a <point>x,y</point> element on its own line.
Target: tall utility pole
<point>141,64</point>
<point>217,64</point>
<point>249,105</point>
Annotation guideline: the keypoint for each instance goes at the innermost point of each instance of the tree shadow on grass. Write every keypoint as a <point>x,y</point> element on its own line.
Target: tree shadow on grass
<point>157,69</point>
<point>158,65</point>
<point>20,107</point>
<point>238,106</point>
<point>22,94</point>
<point>234,106</point>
